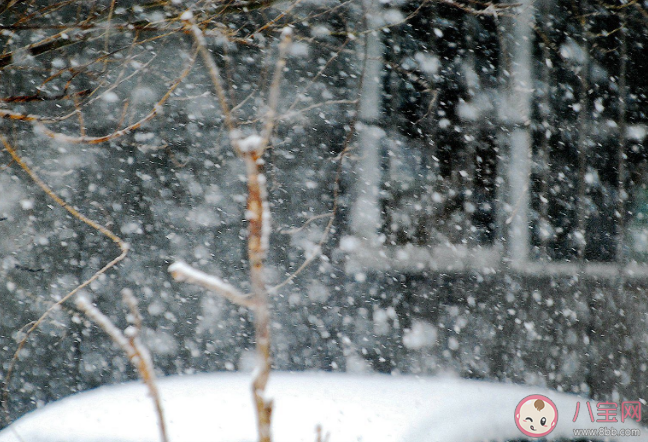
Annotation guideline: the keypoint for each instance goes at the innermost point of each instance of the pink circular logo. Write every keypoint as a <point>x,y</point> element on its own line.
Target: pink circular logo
<point>536,415</point>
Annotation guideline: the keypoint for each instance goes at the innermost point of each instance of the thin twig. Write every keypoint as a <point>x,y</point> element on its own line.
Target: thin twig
<point>273,98</point>
<point>157,108</point>
<point>257,215</point>
<point>294,230</point>
<point>213,70</point>
<point>336,185</point>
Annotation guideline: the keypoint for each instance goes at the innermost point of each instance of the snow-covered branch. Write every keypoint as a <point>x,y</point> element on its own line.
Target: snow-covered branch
<point>105,323</point>
<point>185,273</point>
<point>130,343</point>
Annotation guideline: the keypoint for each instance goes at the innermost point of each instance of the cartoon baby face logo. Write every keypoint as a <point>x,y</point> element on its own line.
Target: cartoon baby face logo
<point>536,415</point>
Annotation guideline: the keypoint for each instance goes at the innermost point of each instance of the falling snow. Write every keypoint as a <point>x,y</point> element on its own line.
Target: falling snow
<point>447,190</point>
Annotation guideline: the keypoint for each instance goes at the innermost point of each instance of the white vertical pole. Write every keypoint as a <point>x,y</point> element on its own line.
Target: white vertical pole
<point>520,94</point>
<point>365,216</point>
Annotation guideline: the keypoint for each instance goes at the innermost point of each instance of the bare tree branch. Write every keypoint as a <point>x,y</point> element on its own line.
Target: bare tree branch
<point>132,346</point>
<point>185,273</point>
<point>157,108</point>
<point>273,98</point>
<point>123,246</point>
<point>213,70</point>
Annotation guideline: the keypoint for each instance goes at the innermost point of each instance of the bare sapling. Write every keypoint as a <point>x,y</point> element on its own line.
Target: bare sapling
<point>257,213</point>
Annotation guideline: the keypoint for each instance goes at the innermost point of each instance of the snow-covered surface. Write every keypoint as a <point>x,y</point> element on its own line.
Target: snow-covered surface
<point>375,408</point>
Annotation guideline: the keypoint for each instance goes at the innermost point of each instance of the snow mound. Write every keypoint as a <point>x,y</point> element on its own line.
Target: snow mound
<point>376,408</point>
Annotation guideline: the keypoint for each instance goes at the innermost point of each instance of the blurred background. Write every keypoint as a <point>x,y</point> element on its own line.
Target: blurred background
<point>468,180</point>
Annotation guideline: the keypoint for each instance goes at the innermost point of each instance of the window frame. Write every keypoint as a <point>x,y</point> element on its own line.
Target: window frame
<point>365,247</point>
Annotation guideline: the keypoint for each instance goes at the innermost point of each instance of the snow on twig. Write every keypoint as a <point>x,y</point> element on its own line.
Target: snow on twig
<point>185,273</point>
<point>105,323</point>
<point>257,214</point>
<point>130,343</point>
<point>250,143</point>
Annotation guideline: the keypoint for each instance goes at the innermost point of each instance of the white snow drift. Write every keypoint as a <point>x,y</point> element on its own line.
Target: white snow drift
<point>375,408</point>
